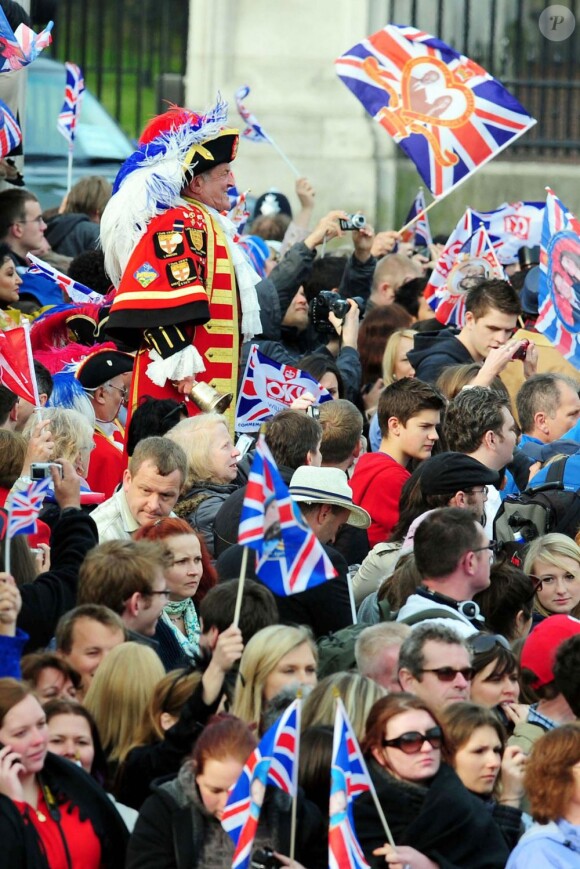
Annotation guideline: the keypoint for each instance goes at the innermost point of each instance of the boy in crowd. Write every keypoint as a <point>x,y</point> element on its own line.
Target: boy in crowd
<point>408,413</point>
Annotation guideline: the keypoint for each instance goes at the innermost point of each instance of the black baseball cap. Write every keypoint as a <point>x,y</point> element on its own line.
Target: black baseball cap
<point>454,472</point>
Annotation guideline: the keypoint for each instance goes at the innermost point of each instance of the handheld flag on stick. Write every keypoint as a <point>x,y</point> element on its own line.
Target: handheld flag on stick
<point>23,47</point>
<point>10,132</point>
<point>349,777</point>
<point>559,287</point>
<point>23,508</point>
<point>290,558</point>
<point>69,114</point>
<point>274,762</point>
<point>446,112</point>
<point>16,365</point>
<point>254,132</point>
<point>417,229</point>
<point>269,387</point>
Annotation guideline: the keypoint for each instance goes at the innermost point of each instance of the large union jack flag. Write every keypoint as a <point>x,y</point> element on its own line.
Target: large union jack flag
<point>446,112</point>
<point>10,132</point>
<point>348,778</point>
<point>274,762</point>
<point>24,507</point>
<point>269,387</point>
<point>559,287</point>
<point>290,558</point>
<point>23,47</point>
<point>73,91</point>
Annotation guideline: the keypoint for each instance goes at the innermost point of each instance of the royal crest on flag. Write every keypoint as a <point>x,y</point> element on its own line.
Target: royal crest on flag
<point>559,287</point>
<point>274,762</point>
<point>419,234</point>
<point>348,778</point>
<point>73,91</point>
<point>290,558</point>
<point>269,387</point>
<point>446,112</point>
<point>18,49</point>
<point>24,507</point>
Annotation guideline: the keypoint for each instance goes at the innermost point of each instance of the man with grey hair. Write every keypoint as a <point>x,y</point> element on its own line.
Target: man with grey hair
<point>151,486</point>
<point>548,407</point>
<point>435,665</point>
<point>377,653</point>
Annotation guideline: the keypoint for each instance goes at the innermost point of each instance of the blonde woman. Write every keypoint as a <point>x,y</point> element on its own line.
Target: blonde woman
<point>358,693</point>
<point>553,563</point>
<point>395,362</point>
<point>118,695</point>
<point>211,470</point>
<point>72,434</point>
<point>275,657</point>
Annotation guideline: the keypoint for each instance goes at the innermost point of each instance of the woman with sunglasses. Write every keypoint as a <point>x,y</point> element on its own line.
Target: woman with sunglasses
<point>495,682</point>
<point>553,563</point>
<point>475,748</point>
<point>423,800</point>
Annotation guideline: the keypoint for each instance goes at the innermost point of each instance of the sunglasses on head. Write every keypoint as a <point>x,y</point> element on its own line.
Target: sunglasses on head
<point>448,674</point>
<point>412,742</point>
<point>481,643</point>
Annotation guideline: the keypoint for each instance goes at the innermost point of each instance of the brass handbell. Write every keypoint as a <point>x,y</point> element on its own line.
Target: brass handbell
<point>207,398</point>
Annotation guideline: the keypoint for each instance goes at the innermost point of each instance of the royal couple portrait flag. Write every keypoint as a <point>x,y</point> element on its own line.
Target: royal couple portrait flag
<point>446,112</point>
<point>269,387</point>
<point>559,287</point>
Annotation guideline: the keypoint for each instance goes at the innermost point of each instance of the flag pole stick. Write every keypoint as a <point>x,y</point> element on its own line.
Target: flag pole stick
<point>241,582</point>
<point>419,215</point>
<point>295,781</point>
<point>69,168</point>
<point>284,157</point>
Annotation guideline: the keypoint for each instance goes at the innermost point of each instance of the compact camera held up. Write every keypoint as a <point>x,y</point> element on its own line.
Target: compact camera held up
<point>352,222</point>
<point>326,302</point>
<point>41,470</point>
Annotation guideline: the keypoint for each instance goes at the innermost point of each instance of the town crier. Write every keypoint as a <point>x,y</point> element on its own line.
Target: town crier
<point>185,292</point>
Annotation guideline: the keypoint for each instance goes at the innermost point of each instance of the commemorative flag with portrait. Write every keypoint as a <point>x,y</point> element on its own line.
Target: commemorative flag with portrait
<point>446,112</point>
<point>559,287</point>
<point>268,387</point>
<point>514,225</point>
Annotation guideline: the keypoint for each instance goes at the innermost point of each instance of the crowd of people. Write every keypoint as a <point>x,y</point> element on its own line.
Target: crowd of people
<point>131,691</point>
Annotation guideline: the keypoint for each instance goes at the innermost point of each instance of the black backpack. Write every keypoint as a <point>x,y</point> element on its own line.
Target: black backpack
<point>551,504</point>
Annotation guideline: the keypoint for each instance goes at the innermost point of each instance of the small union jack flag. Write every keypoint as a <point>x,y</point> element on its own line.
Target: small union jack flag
<point>10,132</point>
<point>559,287</point>
<point>268,387</point>
<point>253,131</point>
<point>419,234</point>
<point>274,762</point>
<point>348,778</point>
<point>24,507</point>
<point>73,91</point>
<point>16,367</point>
<point>290,558</point>
<point>446,112</point>
<point>76,291</point>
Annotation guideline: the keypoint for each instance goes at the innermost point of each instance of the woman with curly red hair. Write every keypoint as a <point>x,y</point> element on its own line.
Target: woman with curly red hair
<point>552,783</point>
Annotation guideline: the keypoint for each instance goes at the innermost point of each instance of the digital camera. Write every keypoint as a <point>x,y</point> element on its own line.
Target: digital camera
<point>328,301</point>
<point>353,221</point>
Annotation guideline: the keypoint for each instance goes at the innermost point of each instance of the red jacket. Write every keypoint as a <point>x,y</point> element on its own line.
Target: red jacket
<point>376,485</point>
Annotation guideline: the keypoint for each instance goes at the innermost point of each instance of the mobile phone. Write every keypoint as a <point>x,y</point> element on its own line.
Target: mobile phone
<point>521,351</point>
<point>243,444</point>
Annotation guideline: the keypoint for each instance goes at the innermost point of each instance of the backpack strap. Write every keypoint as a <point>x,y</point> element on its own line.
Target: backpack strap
<point>556,471</point>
